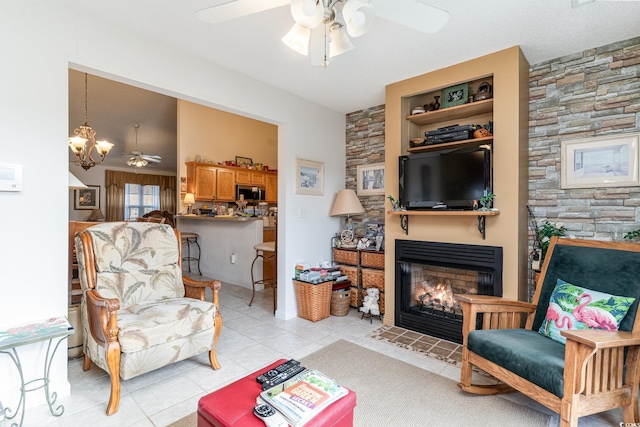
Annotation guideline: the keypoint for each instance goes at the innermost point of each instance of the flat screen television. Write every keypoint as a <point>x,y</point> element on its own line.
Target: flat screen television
<point>445,180</point>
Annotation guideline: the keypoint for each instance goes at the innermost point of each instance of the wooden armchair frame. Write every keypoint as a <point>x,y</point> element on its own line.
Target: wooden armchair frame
<point>597,374</point>
<point>103,321</point>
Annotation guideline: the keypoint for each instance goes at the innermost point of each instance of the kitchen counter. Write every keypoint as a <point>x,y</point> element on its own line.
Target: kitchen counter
<point>219,218</point>
<point>222,237</point>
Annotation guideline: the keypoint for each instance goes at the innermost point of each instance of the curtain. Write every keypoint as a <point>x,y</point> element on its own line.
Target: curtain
<point>115,182</point>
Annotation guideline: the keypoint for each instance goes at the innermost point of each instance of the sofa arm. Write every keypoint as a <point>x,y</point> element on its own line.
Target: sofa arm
<point>598,362</point>
<point>196,288</point>
<point>497,313</point>
<point>102,315</point>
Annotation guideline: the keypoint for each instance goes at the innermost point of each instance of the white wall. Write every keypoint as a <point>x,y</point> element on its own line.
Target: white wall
<point>39,40</point>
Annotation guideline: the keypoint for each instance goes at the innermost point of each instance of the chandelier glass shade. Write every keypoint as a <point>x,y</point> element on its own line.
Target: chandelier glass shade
<point>340,18</point>
<point>83,143</point>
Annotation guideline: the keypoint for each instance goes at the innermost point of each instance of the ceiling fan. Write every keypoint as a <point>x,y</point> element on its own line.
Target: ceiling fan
<point>138,158</point>
<point>333,21</point>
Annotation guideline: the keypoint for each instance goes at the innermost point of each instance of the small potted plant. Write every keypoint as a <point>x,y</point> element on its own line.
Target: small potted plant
<point>395,204</point>
<point>633,235</point>
<point>545,231</point>
<point>487,201</point>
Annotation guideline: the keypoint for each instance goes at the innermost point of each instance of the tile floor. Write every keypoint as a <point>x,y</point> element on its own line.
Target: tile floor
<point>251,338</point>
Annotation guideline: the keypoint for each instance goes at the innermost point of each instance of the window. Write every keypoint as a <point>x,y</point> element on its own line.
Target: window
<point>140,199</point>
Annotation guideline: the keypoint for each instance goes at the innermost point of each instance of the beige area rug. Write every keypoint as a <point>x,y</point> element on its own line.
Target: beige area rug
<point>392,393</point>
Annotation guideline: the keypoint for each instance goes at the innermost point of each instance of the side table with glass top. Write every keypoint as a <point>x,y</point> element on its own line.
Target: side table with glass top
<point>48,330</point>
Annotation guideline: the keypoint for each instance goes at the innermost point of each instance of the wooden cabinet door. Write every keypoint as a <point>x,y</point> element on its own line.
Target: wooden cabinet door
<point>257,178</point>
<point>205,179</point>
<point>226,185</point>
<point>243,177</point>
<point>271,188</point>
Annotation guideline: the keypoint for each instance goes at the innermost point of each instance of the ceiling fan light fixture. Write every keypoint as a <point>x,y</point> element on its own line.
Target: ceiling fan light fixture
<point>308,13</point>
<point>340,41</point>
<point>298,39</point>
<point>358,17</point>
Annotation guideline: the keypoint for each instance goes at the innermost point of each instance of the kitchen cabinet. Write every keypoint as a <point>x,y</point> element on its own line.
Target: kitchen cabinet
<point>250,177</point>
<point>209,183</point>
<point>271,187</point>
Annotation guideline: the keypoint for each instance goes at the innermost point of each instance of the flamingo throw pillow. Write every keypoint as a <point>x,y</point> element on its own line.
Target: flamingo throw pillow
<point>577,308</point>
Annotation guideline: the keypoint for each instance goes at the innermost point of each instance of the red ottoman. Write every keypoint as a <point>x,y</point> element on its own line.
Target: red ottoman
<point>232,406</point>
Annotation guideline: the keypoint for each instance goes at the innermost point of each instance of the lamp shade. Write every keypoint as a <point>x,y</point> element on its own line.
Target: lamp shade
<point>189,199</point>
<point>307,13</point>
<point>340,41</point>
<point>298,39</point>
<point>96,215</point>
<point>346,203</point>
<point>358,17</point>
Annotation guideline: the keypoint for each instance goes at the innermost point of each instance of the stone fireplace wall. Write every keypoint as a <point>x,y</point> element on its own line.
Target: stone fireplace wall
<point>588,94</point>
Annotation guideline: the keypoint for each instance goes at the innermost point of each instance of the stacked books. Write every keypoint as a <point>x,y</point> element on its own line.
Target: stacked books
<point>302,397</point>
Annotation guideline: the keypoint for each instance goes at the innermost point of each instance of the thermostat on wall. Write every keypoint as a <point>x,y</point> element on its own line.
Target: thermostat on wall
<point>10,177</point>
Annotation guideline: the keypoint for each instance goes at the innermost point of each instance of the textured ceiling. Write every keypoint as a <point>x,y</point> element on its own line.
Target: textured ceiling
<point>387,53</point>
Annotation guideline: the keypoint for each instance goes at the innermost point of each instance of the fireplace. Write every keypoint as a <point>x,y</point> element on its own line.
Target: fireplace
<point>429,274</point>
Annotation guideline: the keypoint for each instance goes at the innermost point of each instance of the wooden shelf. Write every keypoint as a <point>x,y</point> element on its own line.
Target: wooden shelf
<point>481,215</point>
<point>452,113</point>
<point>446,145</point>
<point>444,213</point>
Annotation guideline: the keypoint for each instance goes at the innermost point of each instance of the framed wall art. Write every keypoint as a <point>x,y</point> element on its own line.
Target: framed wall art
<point>370,179</point>
<point>87,198</point>
<point>455,95</point>
<point>610,161</point>
<point>309,177</point>
<point>244,161</point>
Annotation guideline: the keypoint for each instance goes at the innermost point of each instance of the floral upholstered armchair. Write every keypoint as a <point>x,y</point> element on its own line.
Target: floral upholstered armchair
<point>138,312</point>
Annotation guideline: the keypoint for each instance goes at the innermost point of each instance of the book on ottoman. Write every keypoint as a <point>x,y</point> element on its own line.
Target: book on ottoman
<point>303,397</point>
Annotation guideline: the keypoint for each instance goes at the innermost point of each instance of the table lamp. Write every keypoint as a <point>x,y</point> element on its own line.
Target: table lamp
<point>347,204</point>
<point>96,215</point>
<point>189,200</point>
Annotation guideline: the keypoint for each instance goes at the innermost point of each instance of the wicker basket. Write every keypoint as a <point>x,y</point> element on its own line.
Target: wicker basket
<point>314,300</point>
<point>342,256</point>
<point>372,278</point>
<point>372,259</point>
<point>353,297</point>
<point>350,272</point>
<point>340,302</point>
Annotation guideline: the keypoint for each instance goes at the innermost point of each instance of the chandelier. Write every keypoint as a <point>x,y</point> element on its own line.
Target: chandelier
<point>84,141</point>
<point>340,18</point>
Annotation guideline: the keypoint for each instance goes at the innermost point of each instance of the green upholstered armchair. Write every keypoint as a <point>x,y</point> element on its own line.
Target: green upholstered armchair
<point>596,370</point>
<point>138,312</point>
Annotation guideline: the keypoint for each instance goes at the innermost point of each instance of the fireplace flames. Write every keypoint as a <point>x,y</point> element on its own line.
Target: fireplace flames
<point>438,294</point>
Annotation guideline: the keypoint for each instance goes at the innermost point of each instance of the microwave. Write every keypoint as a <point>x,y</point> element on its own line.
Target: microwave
<point>247,192</point>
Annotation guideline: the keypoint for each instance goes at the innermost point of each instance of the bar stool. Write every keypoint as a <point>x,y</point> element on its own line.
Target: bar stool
<point>266,251</point>
<point>189,238</point>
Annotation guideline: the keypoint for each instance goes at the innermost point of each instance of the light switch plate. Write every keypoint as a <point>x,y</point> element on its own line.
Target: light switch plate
<point>10,177</point>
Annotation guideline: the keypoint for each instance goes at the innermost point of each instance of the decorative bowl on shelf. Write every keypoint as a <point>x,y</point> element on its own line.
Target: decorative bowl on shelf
<point>416,142</point>
<point>417,110</point>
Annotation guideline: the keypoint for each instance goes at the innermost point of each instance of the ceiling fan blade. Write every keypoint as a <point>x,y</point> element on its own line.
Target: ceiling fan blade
<point>154,159</point>
<point>237,8</point>
<point>412,13</point>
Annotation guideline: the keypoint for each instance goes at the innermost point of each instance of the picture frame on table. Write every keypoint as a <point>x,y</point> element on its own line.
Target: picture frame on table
<point>610,161</point>
<point>309,177</point>
<point>87,198</point>
<point>244,161</point>
<point>455,95</point>
<point>370,179</point>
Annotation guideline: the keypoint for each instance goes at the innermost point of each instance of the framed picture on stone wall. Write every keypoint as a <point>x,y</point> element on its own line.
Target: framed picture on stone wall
<point>610,161</point>
<point>370,179</point>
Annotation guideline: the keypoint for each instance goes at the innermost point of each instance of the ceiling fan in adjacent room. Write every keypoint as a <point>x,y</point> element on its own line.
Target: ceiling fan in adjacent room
<point>138,159</point>
<point>324,27</point>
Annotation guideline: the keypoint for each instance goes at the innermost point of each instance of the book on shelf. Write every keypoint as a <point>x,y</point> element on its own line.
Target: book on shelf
<point>302,397</point>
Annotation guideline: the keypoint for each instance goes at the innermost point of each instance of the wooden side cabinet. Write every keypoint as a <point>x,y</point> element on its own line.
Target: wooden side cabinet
<point>365,269</point>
